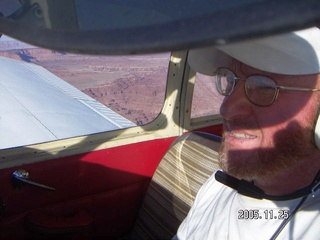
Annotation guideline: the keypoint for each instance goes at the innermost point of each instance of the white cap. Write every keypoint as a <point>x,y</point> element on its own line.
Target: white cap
<point>295,53</point>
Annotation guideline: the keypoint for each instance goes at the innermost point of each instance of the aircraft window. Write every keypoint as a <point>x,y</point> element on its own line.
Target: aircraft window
<point>73,95</point>
<point>206,100</point>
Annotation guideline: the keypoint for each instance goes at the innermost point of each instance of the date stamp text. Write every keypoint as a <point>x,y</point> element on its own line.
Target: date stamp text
<point>256,214</point>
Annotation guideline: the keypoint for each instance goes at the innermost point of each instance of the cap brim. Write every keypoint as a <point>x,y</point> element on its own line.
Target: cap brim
<point>295,53</point>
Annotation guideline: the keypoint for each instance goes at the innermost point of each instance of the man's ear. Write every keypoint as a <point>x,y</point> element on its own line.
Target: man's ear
<point>317,131</point>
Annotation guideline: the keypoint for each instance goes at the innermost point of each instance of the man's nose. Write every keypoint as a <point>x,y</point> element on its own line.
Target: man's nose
<point>236,104</point>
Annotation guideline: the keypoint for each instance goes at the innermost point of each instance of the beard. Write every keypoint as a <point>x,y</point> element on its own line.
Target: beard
<point>292,146</point>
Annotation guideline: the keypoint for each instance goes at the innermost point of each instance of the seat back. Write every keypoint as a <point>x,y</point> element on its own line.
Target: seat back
<point>187,164</point>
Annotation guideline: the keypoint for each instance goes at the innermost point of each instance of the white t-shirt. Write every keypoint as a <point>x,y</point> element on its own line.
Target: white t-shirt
<point>219,212</point>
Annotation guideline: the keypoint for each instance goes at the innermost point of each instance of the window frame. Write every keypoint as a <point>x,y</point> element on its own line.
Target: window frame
<point>165,125</point>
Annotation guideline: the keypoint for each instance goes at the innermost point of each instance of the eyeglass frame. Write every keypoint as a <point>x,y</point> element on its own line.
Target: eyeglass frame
<point>277,87</point>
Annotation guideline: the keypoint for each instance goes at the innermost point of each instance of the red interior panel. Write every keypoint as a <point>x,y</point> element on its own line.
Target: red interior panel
<point>109,184</point>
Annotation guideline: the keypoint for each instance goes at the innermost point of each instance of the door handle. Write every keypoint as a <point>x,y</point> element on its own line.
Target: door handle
<point>22,175</point>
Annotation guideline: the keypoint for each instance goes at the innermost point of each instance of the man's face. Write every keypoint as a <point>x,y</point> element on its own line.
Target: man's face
<point>259,141</point>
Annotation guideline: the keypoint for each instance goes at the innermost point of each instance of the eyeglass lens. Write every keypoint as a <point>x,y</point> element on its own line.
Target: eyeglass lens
<point>225,81</point>
<point>260,90</point>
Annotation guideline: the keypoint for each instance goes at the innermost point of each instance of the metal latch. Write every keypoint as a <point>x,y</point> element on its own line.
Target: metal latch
<point>23,176</point>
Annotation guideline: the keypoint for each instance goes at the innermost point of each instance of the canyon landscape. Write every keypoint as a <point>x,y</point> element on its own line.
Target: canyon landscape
<point>133,86</point>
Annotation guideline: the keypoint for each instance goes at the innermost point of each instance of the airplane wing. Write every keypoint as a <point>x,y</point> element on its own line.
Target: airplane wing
<point>37,106</point>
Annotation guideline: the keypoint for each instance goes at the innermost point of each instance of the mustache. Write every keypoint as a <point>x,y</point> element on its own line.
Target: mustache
<point>239,124</point>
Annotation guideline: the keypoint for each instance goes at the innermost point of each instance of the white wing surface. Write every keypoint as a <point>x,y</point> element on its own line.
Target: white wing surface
<point>36,106</point>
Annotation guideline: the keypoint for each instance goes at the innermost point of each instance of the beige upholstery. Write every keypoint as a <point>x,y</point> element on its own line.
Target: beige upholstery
<point>188,163</point>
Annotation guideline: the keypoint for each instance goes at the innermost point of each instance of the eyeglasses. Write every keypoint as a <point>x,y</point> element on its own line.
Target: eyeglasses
<point>260,90</point>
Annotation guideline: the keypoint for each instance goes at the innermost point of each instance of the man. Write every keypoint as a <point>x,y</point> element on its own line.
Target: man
<point>270,154</point>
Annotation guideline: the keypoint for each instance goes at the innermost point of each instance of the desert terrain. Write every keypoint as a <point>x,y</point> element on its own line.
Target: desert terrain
<point>133,86</point>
